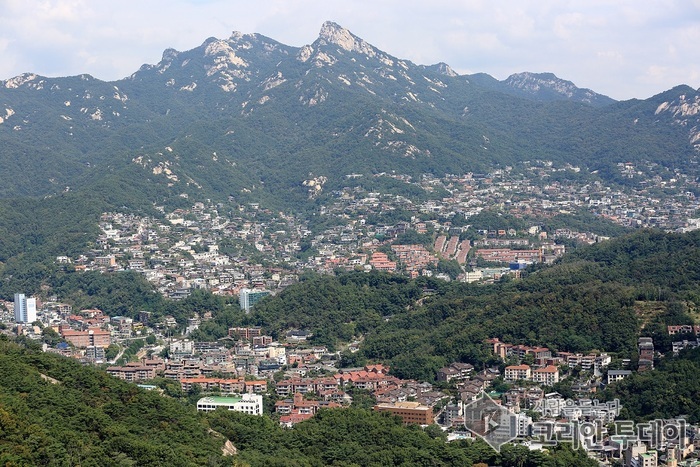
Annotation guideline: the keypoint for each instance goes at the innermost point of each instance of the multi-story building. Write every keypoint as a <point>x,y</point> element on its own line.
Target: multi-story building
<point>132,372</point>
<point>646,353</point>
<point>249,297</point>
<point>106,261</point>
<point>410,412</point>
<point>548,375</point>
<point>226,386</point>
<point>617,375</point>
<point>92,337</point>
<point>25,309</point>
<point>256,387</point>
<point>247,403</point>
<point>684,329</point>
<point>307,385</point>
<point>517,372</point>
<point>381,262</point>
<point>456,371</point>
<point>245,334</point>
<point>94,353</point>
<point>262,340</point>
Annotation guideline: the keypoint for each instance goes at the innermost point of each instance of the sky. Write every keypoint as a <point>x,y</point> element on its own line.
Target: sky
<point>620,48</point>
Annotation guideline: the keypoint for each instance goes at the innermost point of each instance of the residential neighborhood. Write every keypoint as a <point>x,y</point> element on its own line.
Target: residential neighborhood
<point>230,249</point>
<point>249,253</point>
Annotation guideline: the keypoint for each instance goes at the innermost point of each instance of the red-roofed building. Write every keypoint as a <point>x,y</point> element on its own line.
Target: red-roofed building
<point>380,261</point>
<point>298,409</point>
<point>92,337</point>
<point>366,380</point>
<point>294,418</point>
<point>684,329</point>
<point>306,385</point>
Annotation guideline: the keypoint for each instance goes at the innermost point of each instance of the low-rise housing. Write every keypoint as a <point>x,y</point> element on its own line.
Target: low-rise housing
<point>548,375</point>
<point>517,372</point>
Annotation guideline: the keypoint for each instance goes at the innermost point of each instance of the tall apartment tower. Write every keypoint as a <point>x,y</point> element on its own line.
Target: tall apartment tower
<point>25,309</point>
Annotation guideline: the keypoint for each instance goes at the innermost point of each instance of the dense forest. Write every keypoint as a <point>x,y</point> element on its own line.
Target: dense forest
<point>670,390</point>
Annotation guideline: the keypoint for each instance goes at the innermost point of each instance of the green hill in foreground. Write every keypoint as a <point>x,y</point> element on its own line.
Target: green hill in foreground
<point>53,411</point>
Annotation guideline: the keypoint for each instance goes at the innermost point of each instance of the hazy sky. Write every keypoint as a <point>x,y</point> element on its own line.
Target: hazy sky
<point>620,48</point>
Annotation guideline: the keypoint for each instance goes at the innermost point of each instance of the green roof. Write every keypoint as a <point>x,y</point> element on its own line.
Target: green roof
<point>219,400</point>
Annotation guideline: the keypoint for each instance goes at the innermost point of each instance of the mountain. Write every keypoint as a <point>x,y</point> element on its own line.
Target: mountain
<point>547,86</point>
<point>253,119</point>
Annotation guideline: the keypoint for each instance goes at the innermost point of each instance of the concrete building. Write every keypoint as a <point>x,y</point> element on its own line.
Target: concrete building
<point>617,375</point>
<point>646,353</point>
<point>517,372</point>
<point>93,337</point>
<point>548,375</point>
<point>247,403</point>
<point>410,412</point>
<point>245,334</point>
<point>25,309</point>
<point>132,372</point>
<point>249,297</point>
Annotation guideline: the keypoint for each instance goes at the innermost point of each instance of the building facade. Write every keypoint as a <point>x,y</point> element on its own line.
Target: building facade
<point>25,309</point>
<point>247,403</point>
<point>410,412</point>
<point>248,297</point>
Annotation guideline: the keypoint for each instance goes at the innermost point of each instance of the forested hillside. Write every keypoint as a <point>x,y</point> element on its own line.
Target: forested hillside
<point>349,437</point>
<point>671,389</point>
<point>53,411</point>
<point>592,299</point>
<point>253,118</point>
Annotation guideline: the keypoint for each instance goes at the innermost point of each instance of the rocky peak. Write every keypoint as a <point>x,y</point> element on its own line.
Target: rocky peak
<point>236,36</point>
<point>443,68</point>
<point>169,55</point>
<point>332,33</point>
<point>683,106</point>
<point>18,81</point>
<point>534,82</point>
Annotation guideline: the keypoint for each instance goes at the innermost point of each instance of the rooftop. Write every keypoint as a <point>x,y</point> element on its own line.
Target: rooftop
<point>219,400</point>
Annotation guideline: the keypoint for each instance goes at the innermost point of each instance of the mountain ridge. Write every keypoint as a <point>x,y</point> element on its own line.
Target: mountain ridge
<point>251,117</point>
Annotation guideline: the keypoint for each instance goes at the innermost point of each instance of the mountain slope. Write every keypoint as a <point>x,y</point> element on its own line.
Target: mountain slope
<point>55,411</point>
<point>251,118</point>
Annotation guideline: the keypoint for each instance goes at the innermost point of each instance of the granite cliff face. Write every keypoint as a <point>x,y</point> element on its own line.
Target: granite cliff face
<point>547,86</point>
